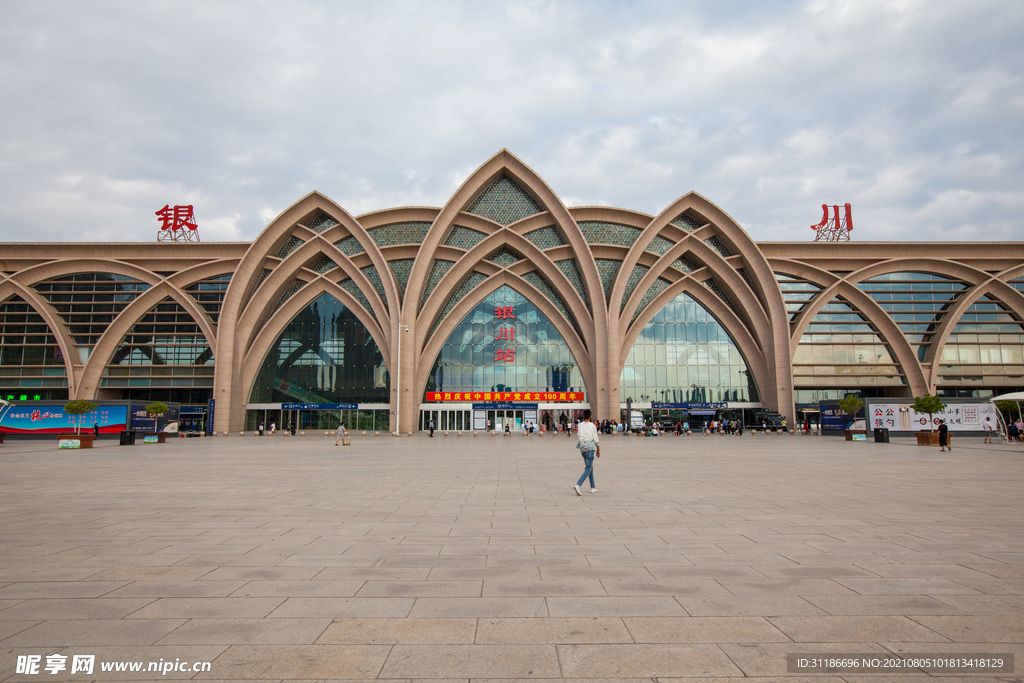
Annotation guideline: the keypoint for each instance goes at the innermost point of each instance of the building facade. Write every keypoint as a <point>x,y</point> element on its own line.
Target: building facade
<point>506,306</point>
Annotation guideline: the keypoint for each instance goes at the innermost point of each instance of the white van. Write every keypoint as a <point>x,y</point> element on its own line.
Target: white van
<point>636,421</point>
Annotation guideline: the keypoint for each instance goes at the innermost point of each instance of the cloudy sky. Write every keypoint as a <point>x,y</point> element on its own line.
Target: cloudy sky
<point>911,111</point>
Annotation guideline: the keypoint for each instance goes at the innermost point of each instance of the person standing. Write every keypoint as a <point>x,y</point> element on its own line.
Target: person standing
<point>590,447</point>
<point>96,429</point>
<point>944,436</point>
<point>261,429</point>
<point>431,428</point>
<point>987,426</point>
<point>339,434</point>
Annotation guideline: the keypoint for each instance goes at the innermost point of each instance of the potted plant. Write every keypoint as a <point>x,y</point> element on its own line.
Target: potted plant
<point>155,410</point>
<point>851,405</point>
<point>928,405</point>
<point>78,408</point>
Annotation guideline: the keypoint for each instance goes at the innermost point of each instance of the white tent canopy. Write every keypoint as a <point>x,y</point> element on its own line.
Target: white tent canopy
<point>1015,396</point>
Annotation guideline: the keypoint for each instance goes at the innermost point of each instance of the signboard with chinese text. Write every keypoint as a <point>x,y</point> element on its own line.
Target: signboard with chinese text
<point>319,406</point>
<point>689,406</point>
<point>69,443</point>
<point>53,420</point>
<point>488,396</point>
<point>959,417</point>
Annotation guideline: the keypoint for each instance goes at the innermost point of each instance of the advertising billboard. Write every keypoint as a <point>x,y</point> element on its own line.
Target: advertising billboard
<point>42,419</point>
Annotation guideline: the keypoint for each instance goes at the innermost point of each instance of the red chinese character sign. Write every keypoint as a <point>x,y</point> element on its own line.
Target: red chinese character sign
<point>177,224</point>
<point>835,229</point>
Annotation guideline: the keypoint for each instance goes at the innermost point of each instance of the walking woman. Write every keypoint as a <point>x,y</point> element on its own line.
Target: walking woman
<point>944,436</point>
<point>590,447</point>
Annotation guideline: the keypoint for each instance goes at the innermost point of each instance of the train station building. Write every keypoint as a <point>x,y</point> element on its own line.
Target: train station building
<point>505,306</point>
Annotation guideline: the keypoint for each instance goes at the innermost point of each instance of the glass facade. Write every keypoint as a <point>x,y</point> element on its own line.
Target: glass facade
<point>89,302</point>
<point>985,348</point>
<point>916,302</point>
<point>684,355</point>
<point>797,293</point>
<point>165,348</point>
<point>209,294</point>
<point>505,344</point>
<point>324,355</point>
<point>840,348</point>
<point>31,362</point>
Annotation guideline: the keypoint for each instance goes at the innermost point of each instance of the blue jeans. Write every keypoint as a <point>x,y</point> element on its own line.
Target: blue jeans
<point>588,471</point>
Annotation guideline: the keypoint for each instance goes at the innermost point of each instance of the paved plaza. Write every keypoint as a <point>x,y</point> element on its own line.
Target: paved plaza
<point>468,558</point>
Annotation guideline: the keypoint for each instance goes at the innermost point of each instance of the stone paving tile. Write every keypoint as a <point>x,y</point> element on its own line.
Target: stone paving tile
<point>479,607</point>
<point>884,605</point>
<point>392,631</point>
<point>247,632</point>
<point>472,661</point>
<point>319,662</point>
<point>72,608</point>
<point>297,608</point>
<point>975,629</point>
<point>656,661</point>
<point>977,604</point>
<point>844,629</point>
<point>298,589</point>
<point>552,630</point>
<point>505,587</point>
<point>200,608</point>
<point>615,606</point>
<point>420,589</point>
<point>703,630</point>
<point>176,589</point>
<point>98,632</point>
<point>904,586</point>
<point>59,589</point>
<point>764,605</point>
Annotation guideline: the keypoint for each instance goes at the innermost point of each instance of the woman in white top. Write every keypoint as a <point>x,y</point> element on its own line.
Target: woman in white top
<point>590,447</point>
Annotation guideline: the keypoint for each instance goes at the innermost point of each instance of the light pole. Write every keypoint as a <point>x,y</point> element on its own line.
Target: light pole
<point>398,381</point>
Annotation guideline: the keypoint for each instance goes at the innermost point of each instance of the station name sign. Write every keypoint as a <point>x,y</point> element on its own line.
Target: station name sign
<point>319,406</point>
<point>689,406</point>
<point>503,396</point>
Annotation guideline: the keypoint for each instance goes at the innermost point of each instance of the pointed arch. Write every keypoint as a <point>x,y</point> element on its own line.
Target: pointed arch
<point>280,319</point>
<point>504,163</point>
<point>476,256</point>
<point>730,322</point>
<point>104,351</point>
<point>482,291</point>
<point>256,314</point>
<point>9,288</point>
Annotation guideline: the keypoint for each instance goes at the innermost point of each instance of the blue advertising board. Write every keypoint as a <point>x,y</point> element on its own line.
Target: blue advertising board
<point>36,419</point>
<point>689,406</point>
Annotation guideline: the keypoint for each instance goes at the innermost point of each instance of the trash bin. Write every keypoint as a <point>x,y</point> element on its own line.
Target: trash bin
<point>127,438</point>
<point>881,435</point>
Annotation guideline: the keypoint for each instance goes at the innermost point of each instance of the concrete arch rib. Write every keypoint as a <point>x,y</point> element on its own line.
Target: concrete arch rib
<point>132,313</point>
<point>65,342</point>
<point>997,289</point>
<point>831,285</point>
<point>748,346</point>
<point>283,316</point>
<point>506,163</point>
<point>742,297</point>
<point>466,304</point>
<point>264,299</point>
<point>477,255</point>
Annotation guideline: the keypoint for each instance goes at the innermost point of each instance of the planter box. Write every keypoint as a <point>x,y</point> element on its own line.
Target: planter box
<point>848,433</point>
<point>932,439</point>
<point>75,440</point>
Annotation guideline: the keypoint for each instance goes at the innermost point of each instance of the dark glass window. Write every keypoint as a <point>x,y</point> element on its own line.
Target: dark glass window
<point>324,355</point>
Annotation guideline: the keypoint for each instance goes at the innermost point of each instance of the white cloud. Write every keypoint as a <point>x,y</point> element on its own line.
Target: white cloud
<point>766,109</point>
